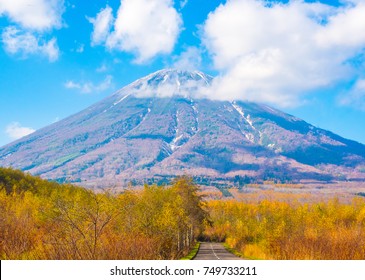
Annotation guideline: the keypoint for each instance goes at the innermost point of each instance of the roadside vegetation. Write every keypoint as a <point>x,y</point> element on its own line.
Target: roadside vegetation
<point>192,253</point>
<point>46,220</point>
<point>290,231</point>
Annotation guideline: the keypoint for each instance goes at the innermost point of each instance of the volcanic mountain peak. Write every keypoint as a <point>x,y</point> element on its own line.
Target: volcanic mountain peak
<point>160,126</point>
<point>168,82</point>
<point>180,77</point>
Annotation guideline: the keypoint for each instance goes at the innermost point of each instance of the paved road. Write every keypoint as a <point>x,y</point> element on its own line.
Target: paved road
<point>214,251</point>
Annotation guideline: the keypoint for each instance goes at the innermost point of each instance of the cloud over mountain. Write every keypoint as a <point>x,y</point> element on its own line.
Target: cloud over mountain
<point>15,130</point>
<point>275,52</point>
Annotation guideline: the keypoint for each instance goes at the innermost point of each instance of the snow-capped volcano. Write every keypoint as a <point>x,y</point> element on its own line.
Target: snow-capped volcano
<point>162,125</point>
<point>166,83</point>
<point>173,76</point>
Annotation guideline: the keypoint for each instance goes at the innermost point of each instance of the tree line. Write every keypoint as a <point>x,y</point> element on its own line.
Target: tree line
<point>46,220</point>
<point>270,229</point>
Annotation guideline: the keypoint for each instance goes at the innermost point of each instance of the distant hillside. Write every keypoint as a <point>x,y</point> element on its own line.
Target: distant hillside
<point>16,181</point>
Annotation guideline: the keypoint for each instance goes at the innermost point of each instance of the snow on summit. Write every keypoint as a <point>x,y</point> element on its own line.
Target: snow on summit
<point>169,82</point>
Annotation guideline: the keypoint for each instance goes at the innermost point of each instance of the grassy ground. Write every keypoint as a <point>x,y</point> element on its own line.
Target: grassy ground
<point>192,253</point>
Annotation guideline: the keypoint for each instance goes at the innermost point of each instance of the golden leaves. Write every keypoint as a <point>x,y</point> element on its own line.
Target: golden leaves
<point>43,220</point>
<point>280,230</point>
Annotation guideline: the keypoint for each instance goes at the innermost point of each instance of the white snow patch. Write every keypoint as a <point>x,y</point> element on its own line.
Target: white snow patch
<point>202,76</point>
<point>250,137</point>
<point>271,109</point>
<point>249,121</point>
<point>173,145</point>
<point>124,97</point>
<point>196,115</point>
<point>117,102</point>
<point>165,78</point>
<point>177,139</point>
<point>260,133</point>
<point>145,116</point>
<point>238,109</point>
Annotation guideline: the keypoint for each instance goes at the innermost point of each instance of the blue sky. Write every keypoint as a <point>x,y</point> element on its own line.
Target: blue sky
<point>304,57</point>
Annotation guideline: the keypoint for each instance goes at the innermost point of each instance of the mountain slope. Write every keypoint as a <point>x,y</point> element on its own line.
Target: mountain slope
<point>160,127</point>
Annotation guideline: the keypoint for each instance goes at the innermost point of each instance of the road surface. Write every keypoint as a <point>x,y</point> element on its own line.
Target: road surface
<point>214,251</point>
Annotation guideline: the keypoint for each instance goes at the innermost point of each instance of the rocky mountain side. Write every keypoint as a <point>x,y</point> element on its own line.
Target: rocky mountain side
<point>161,126</point>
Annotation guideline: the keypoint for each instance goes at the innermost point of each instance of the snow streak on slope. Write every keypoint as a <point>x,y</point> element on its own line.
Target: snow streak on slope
<point>240,111</point>
<point>124,97</point>
<point>195,110</point>
<point>248,135</point>
<point>178,136</point>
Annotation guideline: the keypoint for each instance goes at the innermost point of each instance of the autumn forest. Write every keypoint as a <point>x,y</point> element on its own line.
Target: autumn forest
<point>46,220</point>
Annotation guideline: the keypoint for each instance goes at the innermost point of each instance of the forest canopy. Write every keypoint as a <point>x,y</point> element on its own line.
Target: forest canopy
<point>46,220</point>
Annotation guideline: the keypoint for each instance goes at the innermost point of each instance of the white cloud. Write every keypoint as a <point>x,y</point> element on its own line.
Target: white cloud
<point>72,85</point>
<point>275,53</point>
<point>80,48</point>
<point>31,18</point>
<point>89,87</point>
<point>25,43</point>
<point>102,68</point>
<point>16,131</point>
<point>190,59</point>
<point>193,89</point>
<point>34,14</point>
<point>355,97</point>
<point>183,3</point>
<point>50,49</point>
<point>167,83</point>
<point>105,85</point>
<point>144,27</point>
<point>102,25</point>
